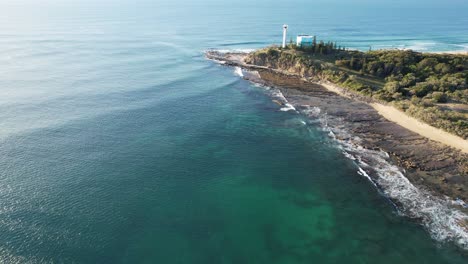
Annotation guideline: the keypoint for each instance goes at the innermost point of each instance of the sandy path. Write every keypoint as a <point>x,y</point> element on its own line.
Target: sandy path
<point>421,128</point>
<point>411,123</point>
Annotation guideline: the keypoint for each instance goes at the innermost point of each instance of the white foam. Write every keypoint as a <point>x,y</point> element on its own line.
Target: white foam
<point>364,173</point>
<point>288,107</point>
<point>238,71</point>
<point>275,93</point>
<point>278,96</point>
<point>311,112</point>
<point>461,45</point>
<point>415,45</point>
<point>421,46</point>
<point>233,50</point>
<point>217,61</point>
<point>440,216</point>
<point>443,221</point>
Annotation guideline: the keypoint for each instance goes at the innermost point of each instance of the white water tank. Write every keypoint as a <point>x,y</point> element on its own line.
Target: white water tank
<point>304,40</point>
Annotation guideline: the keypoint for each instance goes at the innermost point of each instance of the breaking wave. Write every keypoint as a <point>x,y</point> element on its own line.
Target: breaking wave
<point>441,219</point>
<point>238,71</point>
<point>275,93</point>
<point>232,50</point>
<point>439,216</point>
<point>278,96</point>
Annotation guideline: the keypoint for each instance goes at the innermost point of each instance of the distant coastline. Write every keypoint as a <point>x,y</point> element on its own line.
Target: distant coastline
<point>455,52</point>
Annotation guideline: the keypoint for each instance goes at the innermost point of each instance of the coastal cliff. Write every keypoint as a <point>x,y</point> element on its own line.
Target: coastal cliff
<point>289,62</point>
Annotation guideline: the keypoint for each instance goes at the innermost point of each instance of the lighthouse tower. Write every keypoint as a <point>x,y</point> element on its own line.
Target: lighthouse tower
<point>285,31</point>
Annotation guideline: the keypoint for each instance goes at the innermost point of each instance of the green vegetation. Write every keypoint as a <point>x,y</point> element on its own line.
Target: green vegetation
<point>430,87</point>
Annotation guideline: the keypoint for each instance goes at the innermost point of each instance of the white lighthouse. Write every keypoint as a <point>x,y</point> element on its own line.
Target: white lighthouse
<point>285,31</point>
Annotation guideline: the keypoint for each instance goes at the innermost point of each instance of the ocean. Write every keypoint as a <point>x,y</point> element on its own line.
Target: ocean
<point>121,143</point>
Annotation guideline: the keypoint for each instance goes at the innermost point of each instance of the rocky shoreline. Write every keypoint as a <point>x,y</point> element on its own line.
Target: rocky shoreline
<point>430,165</point>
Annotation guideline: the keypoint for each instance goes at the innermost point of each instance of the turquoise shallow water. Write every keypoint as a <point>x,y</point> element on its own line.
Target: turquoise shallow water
<point>120,143</point>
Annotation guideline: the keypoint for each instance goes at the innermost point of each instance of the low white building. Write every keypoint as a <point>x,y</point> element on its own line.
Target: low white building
<point>304,40</point>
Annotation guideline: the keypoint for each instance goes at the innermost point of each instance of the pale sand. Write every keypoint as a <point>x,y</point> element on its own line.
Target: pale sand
<point>454,52</point>
<point>333,88</point>
<point>410,123</point>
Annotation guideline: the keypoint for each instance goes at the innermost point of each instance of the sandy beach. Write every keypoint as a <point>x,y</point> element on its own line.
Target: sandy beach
<point>456,52</point>
<point>423,129</point>
<point>410,123</point>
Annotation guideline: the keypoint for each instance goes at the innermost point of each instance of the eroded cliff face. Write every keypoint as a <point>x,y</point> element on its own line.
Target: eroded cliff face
<point>288,62</point>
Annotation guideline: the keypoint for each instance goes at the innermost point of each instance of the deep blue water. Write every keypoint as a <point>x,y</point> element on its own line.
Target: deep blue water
<point>121,143</point>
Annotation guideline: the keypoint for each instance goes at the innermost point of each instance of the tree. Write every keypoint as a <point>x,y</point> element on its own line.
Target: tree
<point>328,47</point>
<point>422,89</point>
<point>319,47</point>
<point>439,97</point>
<point>427,63</point>
<point>352,63</point>
<point>442,68</point>
<point>392,87</point>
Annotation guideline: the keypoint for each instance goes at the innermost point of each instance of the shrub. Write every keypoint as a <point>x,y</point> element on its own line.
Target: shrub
<point>439,97</point>
<point>392,87</point>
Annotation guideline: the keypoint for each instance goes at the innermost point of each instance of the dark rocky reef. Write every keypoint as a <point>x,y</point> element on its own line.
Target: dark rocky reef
<point>429,164</point>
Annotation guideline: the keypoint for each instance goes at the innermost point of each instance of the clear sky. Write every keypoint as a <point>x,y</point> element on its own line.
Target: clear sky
<point>9,9</point>
<point>401,3</point>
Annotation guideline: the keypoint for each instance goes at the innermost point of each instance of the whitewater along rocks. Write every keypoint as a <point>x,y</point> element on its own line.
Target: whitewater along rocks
<point>350,117</point>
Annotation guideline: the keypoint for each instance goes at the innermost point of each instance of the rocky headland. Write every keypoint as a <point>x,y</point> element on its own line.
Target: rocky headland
<point>431,165</point>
